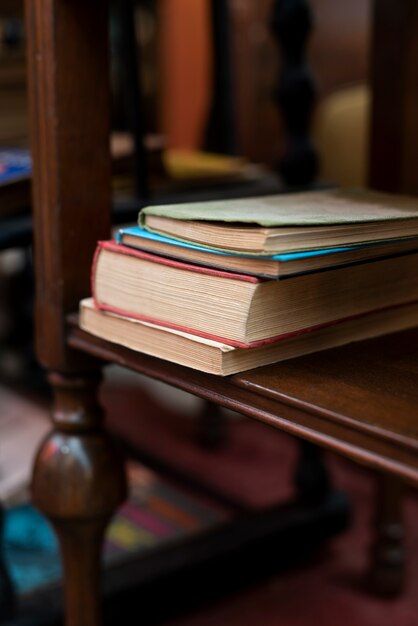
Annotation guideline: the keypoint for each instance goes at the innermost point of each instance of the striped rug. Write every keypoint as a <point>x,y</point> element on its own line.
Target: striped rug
<point>156,513</point>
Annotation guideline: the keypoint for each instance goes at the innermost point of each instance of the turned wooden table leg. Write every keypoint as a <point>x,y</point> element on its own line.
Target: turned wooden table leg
<point>312,479</point>
<point>291,24</point>
<point>212,426</point>
<point>78,483</point>
<point>387,575</point>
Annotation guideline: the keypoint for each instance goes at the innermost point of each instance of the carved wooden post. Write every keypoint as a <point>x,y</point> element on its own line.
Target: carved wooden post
<point>130,68</point>
<point>291,24</point>
<point>393,167</point>
<point>77,484</point>
<point>212,426</point>
<point>220,132</point>
<point>78,479</point>
<point>311,477</point>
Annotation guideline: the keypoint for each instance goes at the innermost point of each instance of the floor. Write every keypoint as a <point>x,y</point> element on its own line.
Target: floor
<point>330,588</point>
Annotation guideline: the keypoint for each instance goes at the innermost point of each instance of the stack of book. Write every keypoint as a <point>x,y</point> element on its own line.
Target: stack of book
<point>230,285</point>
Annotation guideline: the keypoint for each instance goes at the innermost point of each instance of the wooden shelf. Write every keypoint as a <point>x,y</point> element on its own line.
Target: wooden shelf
<point>360,400</point>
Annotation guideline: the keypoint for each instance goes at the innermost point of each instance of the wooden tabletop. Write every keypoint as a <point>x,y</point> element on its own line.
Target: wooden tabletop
<point>360,400</point>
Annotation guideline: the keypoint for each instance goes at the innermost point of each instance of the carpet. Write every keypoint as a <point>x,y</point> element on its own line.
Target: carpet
<point>330,588</point>
<point>156,514</point>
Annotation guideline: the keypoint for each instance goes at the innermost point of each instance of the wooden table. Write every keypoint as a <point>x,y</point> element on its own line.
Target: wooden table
<point>360,400</point>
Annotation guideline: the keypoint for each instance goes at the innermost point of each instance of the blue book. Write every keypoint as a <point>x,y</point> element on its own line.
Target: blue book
<point>275,266</point>
<point>15,176</point>
<point>15,165</point>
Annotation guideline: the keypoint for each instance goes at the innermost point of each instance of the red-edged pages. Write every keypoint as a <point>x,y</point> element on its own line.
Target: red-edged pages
<point>120,249</point>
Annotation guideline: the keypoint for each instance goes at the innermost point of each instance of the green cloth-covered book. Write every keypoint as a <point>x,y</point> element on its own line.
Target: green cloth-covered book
<point>287,222</point>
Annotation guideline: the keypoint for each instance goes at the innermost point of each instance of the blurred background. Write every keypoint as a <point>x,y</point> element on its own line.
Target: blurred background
<point>195,114</point>
<point>177,65</point>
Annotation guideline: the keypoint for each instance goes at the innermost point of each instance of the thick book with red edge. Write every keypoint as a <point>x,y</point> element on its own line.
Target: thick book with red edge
<point>241,310</point>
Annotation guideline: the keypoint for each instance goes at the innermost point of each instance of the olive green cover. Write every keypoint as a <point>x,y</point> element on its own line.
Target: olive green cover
<point>316,208</point>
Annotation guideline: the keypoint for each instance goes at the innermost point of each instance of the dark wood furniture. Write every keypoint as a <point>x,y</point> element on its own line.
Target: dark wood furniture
<point>358,400</point>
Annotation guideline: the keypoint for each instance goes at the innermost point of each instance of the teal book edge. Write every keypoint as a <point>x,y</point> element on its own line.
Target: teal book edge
<point>137,231</point>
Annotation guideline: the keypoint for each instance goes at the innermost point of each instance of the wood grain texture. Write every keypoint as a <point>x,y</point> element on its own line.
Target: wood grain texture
<point>360,400</point>
<point>69,124</point>
<point>78,479</point>
<point>78,482</point>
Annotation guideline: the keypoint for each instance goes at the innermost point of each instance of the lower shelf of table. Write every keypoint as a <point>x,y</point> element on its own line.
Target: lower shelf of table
<point>359,400</point>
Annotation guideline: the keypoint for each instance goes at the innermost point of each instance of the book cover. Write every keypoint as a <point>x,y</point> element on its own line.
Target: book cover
<point>316,208</point>
<point>288,222</point>
<point>15,165</point>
